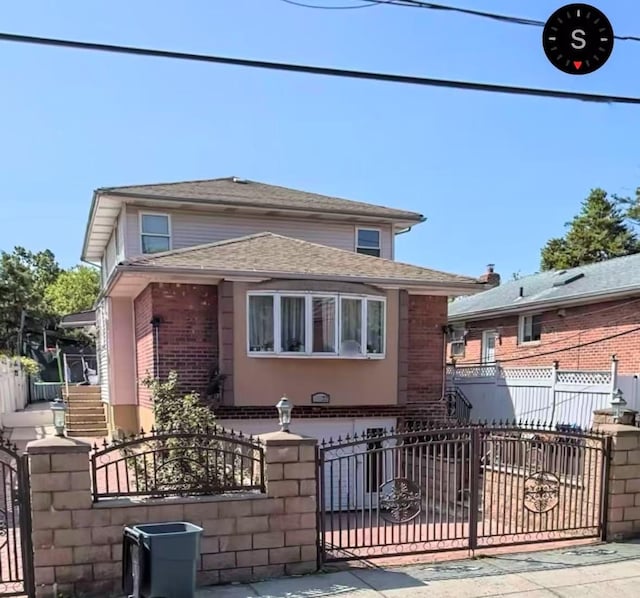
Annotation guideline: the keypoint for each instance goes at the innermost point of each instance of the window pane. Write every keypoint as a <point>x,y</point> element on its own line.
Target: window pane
<point>292,324</point>
<point>536,328</point>
<point>373,252</point>
<point>155,225</point>
<point>369,238</point>
<point>351,327</point>
<point>324,325</point>
<point>375,327</point>
<point>260,323</point>
<point>154,244</point>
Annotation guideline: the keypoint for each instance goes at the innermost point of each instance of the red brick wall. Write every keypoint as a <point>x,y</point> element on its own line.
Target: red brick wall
<point>427,316</point>
<point>142,307</point>
<point>580,325</point>
<point>187,336</point>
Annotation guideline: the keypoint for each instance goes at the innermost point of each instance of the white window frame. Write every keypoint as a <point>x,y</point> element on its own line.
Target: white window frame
<point>368,228</point>
<point>141,216</point>
<point>483,348</point>
<point>453,340</point>
<point>308,353</point>
<point>521,326</point>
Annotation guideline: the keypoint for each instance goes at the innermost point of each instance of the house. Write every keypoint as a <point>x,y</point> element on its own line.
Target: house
<point>578,317</point>
<point>252,291</point>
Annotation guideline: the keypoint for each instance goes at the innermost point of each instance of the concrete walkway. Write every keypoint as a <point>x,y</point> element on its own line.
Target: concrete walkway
<point>581,572</point>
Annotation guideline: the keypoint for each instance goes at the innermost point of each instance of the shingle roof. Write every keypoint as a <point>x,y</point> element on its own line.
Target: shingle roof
<point>241,192</point>
<point>613,276</point>
<point>271,254</point>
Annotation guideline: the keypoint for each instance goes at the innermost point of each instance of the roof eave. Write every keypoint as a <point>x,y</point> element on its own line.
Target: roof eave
<point>598,296</point>
<point>450,288</point>
<point>404,219</point>
<point>87,229</point>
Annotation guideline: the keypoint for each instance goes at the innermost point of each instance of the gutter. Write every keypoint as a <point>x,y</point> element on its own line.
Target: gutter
<point>548,304</point>
<point>453,287</point>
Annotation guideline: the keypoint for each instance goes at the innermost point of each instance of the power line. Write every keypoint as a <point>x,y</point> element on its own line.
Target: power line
<point>553,352</point>
<point>319,70</point>
<point>445,8</point>
<point>369,4</point>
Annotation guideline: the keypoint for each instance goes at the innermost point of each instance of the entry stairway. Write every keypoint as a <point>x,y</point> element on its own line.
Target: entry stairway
<point>85,412</point>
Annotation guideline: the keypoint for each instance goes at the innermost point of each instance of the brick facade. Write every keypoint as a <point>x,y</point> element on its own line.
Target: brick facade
<point>195,330</point>
<point>426,353</point>
<point>142,309</point>
<point>187,335</point>
<point>584,325</point>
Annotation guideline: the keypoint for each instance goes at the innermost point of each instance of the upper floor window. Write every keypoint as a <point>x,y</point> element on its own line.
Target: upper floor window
<point>457,336</point>
<point>155,233</point>
<point>368,241</point>
<point>316,324</point>
<point>530,329</point>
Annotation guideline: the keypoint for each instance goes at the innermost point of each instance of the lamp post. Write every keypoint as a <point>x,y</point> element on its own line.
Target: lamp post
<point>618,404</point>
<point>284,408</point>
<point>58,408</point>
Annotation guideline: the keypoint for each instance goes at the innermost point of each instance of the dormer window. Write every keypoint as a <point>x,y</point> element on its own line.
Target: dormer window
<point>155,233</point>
<point>368,241</point>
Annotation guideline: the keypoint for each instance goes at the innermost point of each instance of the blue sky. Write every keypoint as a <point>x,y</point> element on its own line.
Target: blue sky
<point>495,175</point>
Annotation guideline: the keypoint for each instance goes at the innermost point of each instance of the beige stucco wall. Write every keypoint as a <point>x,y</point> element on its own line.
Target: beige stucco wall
<point>263,380</point>
<point>122,359</point>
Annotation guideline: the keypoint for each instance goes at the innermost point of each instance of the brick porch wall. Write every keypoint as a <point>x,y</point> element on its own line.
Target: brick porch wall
<point>580,325</point>
<point>187,335</point>
<point>426,344</point>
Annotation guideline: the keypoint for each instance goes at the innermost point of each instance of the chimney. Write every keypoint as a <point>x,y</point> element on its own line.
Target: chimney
<point>490,277</point>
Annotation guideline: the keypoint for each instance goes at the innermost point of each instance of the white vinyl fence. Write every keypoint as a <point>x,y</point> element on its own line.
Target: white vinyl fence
<point>544,394</point>
<point>14,386</point>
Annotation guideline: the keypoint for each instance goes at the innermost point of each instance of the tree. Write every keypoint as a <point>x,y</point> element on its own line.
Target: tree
<point>598,233</point>
<point>24,278</point>
<point>73,290</point>
<point>631,207</point>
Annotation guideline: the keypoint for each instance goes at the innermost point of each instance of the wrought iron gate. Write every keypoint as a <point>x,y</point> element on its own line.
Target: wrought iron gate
<point>436,489</point>
<point>16,551</point>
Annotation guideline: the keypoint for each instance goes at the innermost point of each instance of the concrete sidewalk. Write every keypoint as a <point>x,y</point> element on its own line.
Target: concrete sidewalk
<point>585,571</point>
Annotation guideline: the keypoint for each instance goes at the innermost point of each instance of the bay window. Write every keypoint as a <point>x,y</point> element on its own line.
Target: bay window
<point>315,324</point>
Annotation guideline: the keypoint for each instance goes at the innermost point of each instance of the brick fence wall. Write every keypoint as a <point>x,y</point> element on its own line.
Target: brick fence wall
<point>78,544</point>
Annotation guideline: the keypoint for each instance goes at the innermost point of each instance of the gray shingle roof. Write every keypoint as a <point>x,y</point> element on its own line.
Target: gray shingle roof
<point>617,275</point>
<point>241,192</point>
<point>271,254</point>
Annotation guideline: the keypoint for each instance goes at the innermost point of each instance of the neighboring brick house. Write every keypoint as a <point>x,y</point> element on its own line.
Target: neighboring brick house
<point>578,317</point>
<point>251,291</point>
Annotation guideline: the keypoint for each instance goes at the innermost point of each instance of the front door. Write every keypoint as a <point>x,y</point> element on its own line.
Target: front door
<point>489,346</point>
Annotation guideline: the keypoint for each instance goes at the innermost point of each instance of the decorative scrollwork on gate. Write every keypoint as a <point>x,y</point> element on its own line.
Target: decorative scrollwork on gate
<point>399,500</point>
<point>541,492</point>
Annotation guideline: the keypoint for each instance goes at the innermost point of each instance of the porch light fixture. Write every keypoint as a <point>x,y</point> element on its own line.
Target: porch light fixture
<point>618,404</point>
<point>284,408</point>
<point>59,409</point>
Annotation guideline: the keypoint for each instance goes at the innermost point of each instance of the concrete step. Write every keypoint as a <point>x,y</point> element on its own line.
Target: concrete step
<point>87,401</point>
<point>87,432</point>
<point>81,418</point>
<point>88,409</point>
<point>81,390</point>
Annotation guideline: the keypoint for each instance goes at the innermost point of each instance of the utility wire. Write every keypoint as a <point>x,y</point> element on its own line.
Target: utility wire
<point>577,346</point>
<point>319,70</point>
<point>444,8</point>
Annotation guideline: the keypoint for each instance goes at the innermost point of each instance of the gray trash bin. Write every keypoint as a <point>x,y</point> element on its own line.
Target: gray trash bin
<point>163,564</point>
